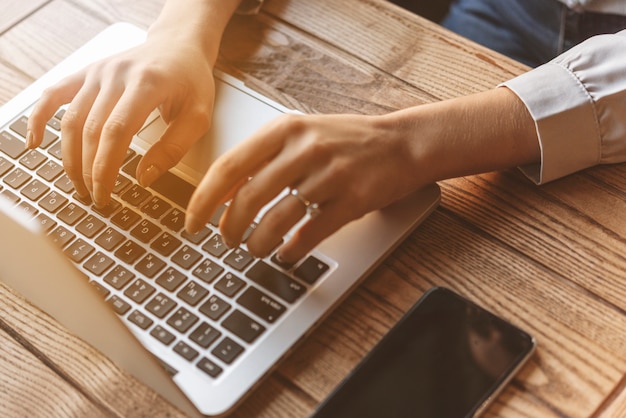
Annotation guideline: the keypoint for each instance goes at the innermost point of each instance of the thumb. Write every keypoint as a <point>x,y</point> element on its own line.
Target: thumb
<point>176,141</point>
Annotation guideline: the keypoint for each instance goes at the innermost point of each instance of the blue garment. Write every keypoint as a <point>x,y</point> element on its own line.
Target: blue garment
<point>530,31</point>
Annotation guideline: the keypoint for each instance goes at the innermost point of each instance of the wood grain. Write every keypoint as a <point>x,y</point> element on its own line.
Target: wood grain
<point>550,258</point>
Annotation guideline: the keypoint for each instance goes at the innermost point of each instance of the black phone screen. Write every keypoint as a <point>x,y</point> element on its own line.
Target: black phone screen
<point>444,358</point>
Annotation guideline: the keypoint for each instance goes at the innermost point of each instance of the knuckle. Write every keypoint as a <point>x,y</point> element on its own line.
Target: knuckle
<point>114,127</point>
<point>70,120</point>
<point>91,129</point>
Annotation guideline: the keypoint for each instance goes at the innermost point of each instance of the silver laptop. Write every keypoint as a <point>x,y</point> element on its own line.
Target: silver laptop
<point>216,320</point>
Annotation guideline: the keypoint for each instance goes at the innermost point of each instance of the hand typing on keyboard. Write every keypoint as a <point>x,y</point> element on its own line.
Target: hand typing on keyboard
<point>340,166</point>
<point>110,100</point>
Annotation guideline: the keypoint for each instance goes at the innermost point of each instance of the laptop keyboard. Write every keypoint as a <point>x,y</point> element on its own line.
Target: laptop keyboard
<point>203,302</point>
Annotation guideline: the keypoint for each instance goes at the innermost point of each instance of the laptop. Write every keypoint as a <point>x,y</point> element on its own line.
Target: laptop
<point>199,324</point>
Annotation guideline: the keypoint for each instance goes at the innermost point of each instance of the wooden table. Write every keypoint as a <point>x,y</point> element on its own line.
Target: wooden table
<point>550,259</point>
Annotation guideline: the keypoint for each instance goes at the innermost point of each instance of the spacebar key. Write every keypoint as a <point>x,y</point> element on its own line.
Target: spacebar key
<point>169,185</point>
<point>276,282</point>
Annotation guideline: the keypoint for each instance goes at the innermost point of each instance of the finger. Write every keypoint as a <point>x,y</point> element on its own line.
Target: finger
<point>72,132</point>
<point>332,216</point>
<point>230,171</point>
<point>276,222</point>
<point>262,188</point>
<point>176,141</point>
<point>124,121</point>
<point>92,128</point>
<point>50,101</point>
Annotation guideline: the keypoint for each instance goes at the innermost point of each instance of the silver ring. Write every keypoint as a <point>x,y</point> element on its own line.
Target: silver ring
<point>312,209</point>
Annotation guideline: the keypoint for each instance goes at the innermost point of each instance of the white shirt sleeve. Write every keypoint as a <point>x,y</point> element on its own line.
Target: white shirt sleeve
<point>578,102</point>
<point>249,7</point>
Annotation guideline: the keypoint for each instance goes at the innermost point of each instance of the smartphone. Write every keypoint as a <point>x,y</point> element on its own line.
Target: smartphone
<point>446,357</point>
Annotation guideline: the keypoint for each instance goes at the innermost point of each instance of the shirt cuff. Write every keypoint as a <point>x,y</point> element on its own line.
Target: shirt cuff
<point>249,7</point>
<point>565,119</point>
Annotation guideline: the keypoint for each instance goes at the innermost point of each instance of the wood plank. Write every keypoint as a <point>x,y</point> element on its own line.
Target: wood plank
<point>14,11</point>
<point>114,390</point>
<point>36,44</point>
<point>400,43</point>
<point>25,378</point>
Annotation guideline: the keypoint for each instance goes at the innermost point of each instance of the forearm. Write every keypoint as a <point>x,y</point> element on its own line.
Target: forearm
<point>468,135</point>
<point>195,21</point>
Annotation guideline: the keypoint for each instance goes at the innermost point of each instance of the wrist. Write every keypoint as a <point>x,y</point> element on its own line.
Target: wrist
<point>196,24</point>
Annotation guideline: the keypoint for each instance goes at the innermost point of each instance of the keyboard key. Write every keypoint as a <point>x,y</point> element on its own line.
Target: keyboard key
<point>98,263</point>
<point>162,335</point>
<point>20,125</point>
<point>185,351</point>
<point>198,237</point>
<point>120,306</point>
<point>182,320</point>
<point>65,184</point>
<point>186,257</point>
<point>160,305</point>
<point>101,289</point>
<point>208,271</point>
<point>121,183</point>
<point>192,293</point>
<point>10,196</point>
<point>90,226</point>
<point>215,246</point>
<point>169,185</point>
<point>261,305</point>
<point>204,335</point>
<point>174,220</point>
<point>53,202</point>
<point>227,350</point>
<point>140,319</point>
<point>119,277</point>
<point>209,367</point>
<point>171,279</point>
<point>55,151</point>
<point>28,209</point>
<point>109,239</point>
<point>165,244</point>
<point>11,145</point>
<point>109,209</point>
<point>50,170</point>
<point>238,259</point>
<point>125,218</point>
<point>61,236</point>
<point>276,281</point>
<point>5,166</point>
<point>243,326</point>
<point>78,251</point>
<point>129,252</point>
<point>145,231</point>
<point>156,207</point>
<point>33,159</point>
<point>45,222</point>
<point>311,269</point>
<point>34,190</point>
<point>17,178</point>
<point>230,285</point>
<point>214,308</point>
<point>136,195</point>
<point>150,265</point>
<point>71,214</point>
<point>139,291</point>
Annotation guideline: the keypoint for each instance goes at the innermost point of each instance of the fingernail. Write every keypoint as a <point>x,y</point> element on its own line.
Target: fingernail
<point>282,262</point>
<point>149,176</point>
<point>29,139</point>
<point>100,196</point>
<point>191,224</point>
